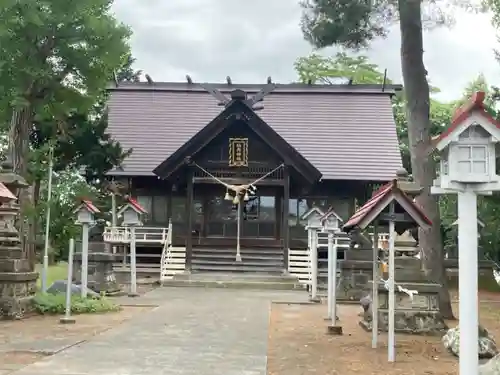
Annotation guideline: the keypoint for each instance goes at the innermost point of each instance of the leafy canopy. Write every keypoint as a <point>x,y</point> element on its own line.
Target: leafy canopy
<point>56,56</point>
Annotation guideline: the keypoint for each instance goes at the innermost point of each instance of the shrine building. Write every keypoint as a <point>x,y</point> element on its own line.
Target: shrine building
<point>279,149</point>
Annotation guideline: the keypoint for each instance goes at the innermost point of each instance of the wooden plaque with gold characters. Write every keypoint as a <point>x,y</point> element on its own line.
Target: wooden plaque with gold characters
<point>238,152</point>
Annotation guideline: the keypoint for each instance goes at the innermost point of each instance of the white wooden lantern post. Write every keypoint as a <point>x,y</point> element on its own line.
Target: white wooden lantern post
<point>467,168</point>
<point>389,206</point>
<point>313,217</point>
<point>85,217</point>
<point>132,213</point>
<point>331,223</point>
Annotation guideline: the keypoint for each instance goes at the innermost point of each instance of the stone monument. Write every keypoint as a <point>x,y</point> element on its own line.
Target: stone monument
<point>417,313</point>
<point>17,280</point>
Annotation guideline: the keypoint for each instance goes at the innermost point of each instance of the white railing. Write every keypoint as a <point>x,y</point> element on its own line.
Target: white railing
<point>166,254</point>
<point>299,261</point>
<point>123,235</point>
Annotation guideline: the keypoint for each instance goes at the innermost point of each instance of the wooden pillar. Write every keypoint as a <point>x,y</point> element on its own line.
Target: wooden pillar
<point>189,219</point>
<point>284,226</point>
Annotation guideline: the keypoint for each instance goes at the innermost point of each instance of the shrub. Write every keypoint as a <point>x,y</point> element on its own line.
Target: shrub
<point>46,303</point>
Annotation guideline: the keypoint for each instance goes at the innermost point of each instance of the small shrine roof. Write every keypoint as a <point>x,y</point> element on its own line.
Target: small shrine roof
<point>88,205</point>
<point>312,210</point>
<point>474,105</point>
<point>379,201</point>
<point>132,203</point>
<point>329,213</point>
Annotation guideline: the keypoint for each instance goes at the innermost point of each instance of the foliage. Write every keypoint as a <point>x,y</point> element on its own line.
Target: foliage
<point>341,67</point>
<point>354,24</point>
<point>56,68</point>
<point>46,303</point>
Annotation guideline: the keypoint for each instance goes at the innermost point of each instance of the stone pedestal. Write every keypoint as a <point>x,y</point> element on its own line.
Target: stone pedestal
<point>419,315</point>
<point>101,277</point>
<point>356,270</point>
<point>17,282</point>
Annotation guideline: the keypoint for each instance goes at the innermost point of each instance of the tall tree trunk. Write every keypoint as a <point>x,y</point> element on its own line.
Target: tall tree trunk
<point>20,126</point>
<point>419,125</point>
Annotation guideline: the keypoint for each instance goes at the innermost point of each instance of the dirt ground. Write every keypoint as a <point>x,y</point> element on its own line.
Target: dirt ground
<point>299,345</point>
<point>37,327</point>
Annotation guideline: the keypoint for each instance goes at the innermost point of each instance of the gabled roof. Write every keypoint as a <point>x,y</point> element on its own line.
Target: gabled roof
<point>388,193</point>
<point>133,204</point>
<point>88,205</point>
<point>329,213</point>
<point>312,210</point>
<point>347,132</point>
<point>256,124</point>
<point>474,106</point>
<point>5,194</point>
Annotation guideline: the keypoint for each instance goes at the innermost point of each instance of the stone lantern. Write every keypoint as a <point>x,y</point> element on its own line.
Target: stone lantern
<point>467,149</point>
<point>17,280</point>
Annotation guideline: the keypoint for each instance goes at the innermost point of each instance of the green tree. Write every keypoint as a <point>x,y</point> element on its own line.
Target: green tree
<point>342,67</point>
<point>55,60</point>
<point>354,24</point>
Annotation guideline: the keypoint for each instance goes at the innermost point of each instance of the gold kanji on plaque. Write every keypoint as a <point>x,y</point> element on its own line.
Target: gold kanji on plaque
<point>238,152</point>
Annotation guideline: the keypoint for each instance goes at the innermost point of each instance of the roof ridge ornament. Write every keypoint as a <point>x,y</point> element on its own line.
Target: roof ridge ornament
<point>251,102</point>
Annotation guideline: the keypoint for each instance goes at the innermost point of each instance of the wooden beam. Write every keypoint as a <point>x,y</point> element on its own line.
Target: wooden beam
<point>238,181</point>
<point>397,218</point>
<point>189,219</point>
<point>285,228</point>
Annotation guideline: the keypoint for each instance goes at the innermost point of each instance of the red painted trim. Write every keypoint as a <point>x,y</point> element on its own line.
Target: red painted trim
<point>476,103</point>
<point>390,188</point>
<point>137,206</point>
<point>90,206</point>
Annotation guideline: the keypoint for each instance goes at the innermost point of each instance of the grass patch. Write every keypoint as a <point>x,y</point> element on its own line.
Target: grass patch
<point>57,271</point>
<point>56,304</point>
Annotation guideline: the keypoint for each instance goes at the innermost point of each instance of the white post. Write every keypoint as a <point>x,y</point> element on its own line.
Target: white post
<point>67,319</point>
<point>391,355</point>
<point>133,265</point>
<point>331,284</point>
<point>332,252</point>
<point>467,282</point>
<point>45,268</point>
<point>113,217</point>
<point>375,287</point>
<point>85,259</point>
<point>314,265</point>
<point>238,234</point>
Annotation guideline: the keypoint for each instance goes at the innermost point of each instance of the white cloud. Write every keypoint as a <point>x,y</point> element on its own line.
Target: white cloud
<point>250,40</point>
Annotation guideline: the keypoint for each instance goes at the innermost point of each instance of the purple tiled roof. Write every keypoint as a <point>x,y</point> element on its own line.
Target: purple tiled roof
<point>346,132</point>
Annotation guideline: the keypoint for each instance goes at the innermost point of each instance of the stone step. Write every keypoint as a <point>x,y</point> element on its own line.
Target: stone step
<point>238,281</point>
<point>245,256</point>
<point>262,252</point>
<point>256,285</point>
<point>232,261</point>
<point>221,276</point>
<point>236,268</point>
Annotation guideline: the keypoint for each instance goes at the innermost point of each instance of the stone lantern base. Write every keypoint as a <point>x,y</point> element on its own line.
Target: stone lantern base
<point>17,288</point>
<point>418,316</point>
<point>101,277</point>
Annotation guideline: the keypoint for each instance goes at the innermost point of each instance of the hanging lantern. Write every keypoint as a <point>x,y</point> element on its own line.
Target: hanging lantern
<point>246,197</point>
<point>236,199</point>
<point>227,197</point>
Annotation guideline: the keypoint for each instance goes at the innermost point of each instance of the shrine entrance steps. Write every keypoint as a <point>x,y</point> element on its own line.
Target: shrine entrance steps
<point>255,281</point>
<point>223,260</point>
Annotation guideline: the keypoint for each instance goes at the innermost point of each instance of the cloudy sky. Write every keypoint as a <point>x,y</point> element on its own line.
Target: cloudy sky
<point>251,40</point>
